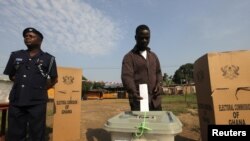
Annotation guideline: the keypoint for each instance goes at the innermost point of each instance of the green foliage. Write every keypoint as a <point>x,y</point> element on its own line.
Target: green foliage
<point>84,78</point>
<point>86,86</point>
<point>179,103</point>
<point>184,74</point>
<point>167,80</point>
<point>98,85</point>
<point>191,98</point>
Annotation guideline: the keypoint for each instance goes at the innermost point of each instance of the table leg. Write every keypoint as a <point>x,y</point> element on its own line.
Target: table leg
<point>3,125</point>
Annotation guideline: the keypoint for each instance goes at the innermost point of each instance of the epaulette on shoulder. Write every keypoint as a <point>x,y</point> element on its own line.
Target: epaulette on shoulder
<point>18,51</point>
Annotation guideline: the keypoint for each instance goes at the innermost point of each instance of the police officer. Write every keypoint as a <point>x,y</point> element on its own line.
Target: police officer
<point>29,70</point>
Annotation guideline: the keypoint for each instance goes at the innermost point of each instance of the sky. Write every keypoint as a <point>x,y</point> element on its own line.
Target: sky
<point>94,35</point>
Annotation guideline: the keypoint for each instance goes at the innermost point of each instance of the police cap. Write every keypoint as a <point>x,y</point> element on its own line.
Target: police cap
<point>31,29</point>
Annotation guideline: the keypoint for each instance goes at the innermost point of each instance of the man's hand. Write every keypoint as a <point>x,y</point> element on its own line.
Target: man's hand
<point>137,97</point>
<point>158,90</point>
<point>51,82</point>
<point>12,78</point>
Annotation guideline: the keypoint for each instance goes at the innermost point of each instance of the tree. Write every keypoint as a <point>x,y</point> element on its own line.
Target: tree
<point>86,86</point>
<point>184,74</point>
<point>167,80</point>
<point>165,77</point>
<point>98,85</point>
<point>84,78</point>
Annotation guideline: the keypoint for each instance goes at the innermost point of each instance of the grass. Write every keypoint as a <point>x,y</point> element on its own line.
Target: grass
<point>179,103</point>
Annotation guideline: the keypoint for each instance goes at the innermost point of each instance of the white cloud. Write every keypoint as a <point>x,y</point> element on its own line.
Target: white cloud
<point>72,26</point>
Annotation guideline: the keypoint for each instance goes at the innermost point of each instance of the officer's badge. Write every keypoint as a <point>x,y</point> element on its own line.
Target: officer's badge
<point>17,63</point>
<point>68,80</point>
<point>19,59</point>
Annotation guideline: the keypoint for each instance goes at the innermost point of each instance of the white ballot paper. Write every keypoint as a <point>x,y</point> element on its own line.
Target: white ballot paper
<point>144,94</point>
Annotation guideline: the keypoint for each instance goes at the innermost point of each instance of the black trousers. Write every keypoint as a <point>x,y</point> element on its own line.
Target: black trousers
<point>27,123</point>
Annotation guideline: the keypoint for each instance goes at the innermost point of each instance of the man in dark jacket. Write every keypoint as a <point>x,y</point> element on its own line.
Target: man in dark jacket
<point>142,66</point>
<point>29,70</point>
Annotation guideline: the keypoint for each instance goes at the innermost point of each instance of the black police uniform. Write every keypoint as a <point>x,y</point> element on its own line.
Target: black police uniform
<point>28,96</point>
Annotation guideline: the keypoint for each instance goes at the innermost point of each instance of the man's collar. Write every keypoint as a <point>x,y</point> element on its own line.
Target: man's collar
<point>136,50</point>
<point>40,52</point>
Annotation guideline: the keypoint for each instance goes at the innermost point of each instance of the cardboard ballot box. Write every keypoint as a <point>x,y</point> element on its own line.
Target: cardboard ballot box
<point>222,83</point>
<point>67,102</point>
<point>159,126</point>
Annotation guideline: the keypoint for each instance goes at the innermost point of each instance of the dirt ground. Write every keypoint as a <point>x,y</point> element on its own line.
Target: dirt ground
<point>95,113</point>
